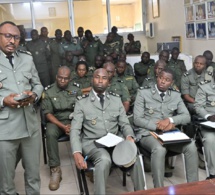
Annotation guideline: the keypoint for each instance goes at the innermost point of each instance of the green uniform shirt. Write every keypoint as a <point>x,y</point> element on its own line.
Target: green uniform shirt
<point>117,86</point>
<point>119,39</point>
<point>55,53</point>
<point>60,102</point>
<point>141,70</point>
<point>82,82</point>
<point>134,45</point>
<point>129,70</point>
<point>110,48</point>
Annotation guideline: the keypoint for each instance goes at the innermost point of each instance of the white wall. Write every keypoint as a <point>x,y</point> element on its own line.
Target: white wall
<point>172,23</point>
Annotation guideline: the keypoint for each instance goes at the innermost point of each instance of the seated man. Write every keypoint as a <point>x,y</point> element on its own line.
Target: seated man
<point>210,65</point>
<point>129,68</point>
<point>204,105</point>
<point>95,115</point>
<point>190,81</point>
<point>158,108</point>
<point>57,105</point>
<point>133,47</point>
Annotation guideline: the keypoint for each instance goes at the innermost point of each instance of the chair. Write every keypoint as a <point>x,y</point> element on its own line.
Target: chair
<point>62,138</point>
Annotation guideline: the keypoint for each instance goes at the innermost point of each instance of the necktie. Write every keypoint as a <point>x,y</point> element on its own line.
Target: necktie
<point>101,96</point>
<point>10,60</point>
<point>162,95</point>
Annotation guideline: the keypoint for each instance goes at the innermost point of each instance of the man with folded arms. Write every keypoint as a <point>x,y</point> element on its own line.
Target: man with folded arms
<point>95,115</point>
<point>160,108</point>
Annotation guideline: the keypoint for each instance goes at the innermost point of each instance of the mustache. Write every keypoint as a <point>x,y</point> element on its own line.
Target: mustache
<point>11,44</point>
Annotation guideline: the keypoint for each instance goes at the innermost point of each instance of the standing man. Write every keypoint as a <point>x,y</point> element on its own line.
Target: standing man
<point>133,47</point>
<point>44,35</point>
<point>80,38</point>
<point>55,54</point>
<point>57,105</point>
<point>159,108</point>
<point>41,56</point>
<point>117,37</point>
<point>95,115</point>
<point>19,133</point>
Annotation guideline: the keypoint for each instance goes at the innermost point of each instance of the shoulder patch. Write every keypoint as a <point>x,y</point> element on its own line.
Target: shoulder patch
<point>76,84</point>
<point>129,78</point>
<point>114,94</point>
<point>173,89</point>
<point>83,96</point>
<point>144,87</point>
<point>204,82</point>
<point>47,87</point>
<point>119,80</point>
<point>25,52</point>
<point>148,79</point>
<point>186,74</point>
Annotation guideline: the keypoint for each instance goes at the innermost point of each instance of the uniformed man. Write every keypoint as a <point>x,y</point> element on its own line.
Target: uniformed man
<point>19,133</point>
<point>129,69</point>
<point>95,115</point>
<point>41,55</point>
<point>70,45</point>
<point>69,60</point>
<point>210,65</point>
<point>22,42</point>
<point>92,46</point>
<point>44,35</point>
<point>111,47</point>
<point>190,81</point>
<point>99,61</point>
<point>177,66</point>
<point>56,61</point>
<point>58,105</point>
<point>128,80</point>
<point>133,47</point>
<point>117,86</point>
<point>164,55</point>
<point>204,105</point>
<point>141,69</point>
<point>117,37</point>
<point>80,38</point>
<point>158,108</point>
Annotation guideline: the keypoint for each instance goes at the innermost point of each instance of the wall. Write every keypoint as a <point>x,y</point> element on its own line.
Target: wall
<point>172,23</point>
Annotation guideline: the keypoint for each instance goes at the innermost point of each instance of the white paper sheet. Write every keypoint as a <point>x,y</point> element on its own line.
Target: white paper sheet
<point>209,124</point>
<point>110,140</point>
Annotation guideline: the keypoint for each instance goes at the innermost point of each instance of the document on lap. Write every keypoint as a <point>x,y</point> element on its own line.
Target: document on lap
<point>208,124</point>
<point>109,140</point>
<point>171,137</point>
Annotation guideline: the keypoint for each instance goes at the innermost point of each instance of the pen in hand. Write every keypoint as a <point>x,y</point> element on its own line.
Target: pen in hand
<point>85,159</point>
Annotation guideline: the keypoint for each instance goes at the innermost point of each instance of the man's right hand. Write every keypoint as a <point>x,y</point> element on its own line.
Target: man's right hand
<point>211,118</point>
<point>10,102</point>
<point>79,161</point>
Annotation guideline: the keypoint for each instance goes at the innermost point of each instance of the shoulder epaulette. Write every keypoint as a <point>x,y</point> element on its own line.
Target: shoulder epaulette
<point>186,74</point>
<point>76,84</point>
<point>144,87</point>
<point>48,87</point>
<point>147,79</point>
<point>114,94</point>
<point>83,96</point>
<point>129,77</point>
<point>173,89</point>
<point>204,82</point>
<point>25,52</point>
<point>96,38</point>
<point>119,80</point>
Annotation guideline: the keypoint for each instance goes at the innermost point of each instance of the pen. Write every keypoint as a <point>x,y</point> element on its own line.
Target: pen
<point>85,159</point>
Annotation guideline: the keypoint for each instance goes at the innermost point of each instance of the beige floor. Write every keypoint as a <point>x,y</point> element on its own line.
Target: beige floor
<point>114,185</point>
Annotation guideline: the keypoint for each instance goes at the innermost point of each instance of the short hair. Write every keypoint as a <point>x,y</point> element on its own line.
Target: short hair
<point>175,49</point>
<point>146,52</point>
<point>34,30</point>
<point>157,63</point>
<point>58,30</point>
<point>64,67</point>
<point>81,63</point>
<point>121,61</point>
<point>200,56</point>
<point>207,52</point>
<point>7,22</point>
<point>67,31</point>
<point>87,31</point>
<point>168,70</point>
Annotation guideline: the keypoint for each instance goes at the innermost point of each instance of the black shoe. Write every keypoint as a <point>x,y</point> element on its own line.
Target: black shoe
<point>168,174</point>
<point>210,177</point>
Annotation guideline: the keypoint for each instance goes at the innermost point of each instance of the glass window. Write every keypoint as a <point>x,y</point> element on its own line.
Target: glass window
<point>53,15</point>
<point>19,13</point>
<point>91,15</point>
<point>126,15</point>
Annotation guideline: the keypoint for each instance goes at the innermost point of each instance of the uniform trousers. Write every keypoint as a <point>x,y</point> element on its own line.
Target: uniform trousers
<point>29,148</point>
<point>101,158</point>
<point>209,148</point>
<point>53,132</point>
<point>158,153</point>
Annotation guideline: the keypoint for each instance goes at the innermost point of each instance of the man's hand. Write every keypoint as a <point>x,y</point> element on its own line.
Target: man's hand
<point>129,138</point>
<point>79,161</point>
<point>10,102</point>
<point>67,129</point>
<point>169,127</point>
<point>211,118</point>
<point>162,124</point>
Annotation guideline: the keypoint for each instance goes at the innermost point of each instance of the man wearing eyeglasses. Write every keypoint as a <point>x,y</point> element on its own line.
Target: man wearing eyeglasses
<point>57,105</point>
<point>19,132</point>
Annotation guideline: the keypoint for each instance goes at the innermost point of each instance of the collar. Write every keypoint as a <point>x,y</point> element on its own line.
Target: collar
<point>159,92</point>
<point>95,94</point>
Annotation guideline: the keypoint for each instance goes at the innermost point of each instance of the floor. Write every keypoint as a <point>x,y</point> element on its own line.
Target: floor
<point>69,184</point>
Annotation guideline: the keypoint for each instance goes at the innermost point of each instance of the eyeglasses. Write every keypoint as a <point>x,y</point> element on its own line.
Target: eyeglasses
<point>9,36</point>
<point>63,78</point>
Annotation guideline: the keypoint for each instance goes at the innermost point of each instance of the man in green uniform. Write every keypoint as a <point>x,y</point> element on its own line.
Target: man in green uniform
<point>117,37</point>
<point>210,65</point>
<point>80,38</point>
<point>56,61</point>
<point>41,55</point>
<point>177,66</point>
<point>204,105</point>
<point>129,70</point>
<point>22,42</point>
<point>58,105</point>
<point>44,35</point>
<point>92,46</point>
<point>69,61</point>
<point>70,45</point>
<point>117,86</point>
<point>19,132</point>
<point>133,47</point>
<point>190,81</point>
<point>158,108</point>
<point>141,69</point>
<point>94,117</point>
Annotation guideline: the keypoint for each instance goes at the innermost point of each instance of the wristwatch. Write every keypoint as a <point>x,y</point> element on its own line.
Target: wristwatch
<point>36,97</point>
